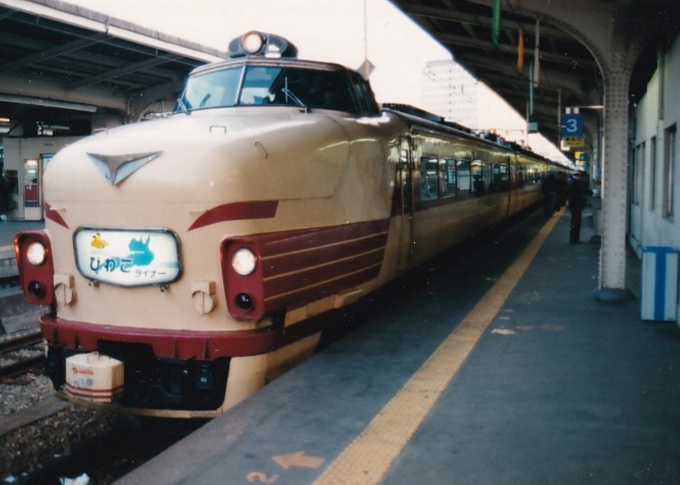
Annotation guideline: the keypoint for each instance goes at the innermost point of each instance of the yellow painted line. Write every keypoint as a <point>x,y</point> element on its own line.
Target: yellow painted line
<point>369,457</point>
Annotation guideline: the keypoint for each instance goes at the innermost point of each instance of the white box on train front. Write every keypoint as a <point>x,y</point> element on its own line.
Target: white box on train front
<point>94,377</point>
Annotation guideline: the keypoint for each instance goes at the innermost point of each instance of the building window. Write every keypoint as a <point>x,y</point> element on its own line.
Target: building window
<point>668,169</point>
<point>638,172</point>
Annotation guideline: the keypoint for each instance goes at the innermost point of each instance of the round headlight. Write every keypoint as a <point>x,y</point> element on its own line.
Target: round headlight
<point>36,289</point>
<point>252,42</point>
<point>244,301</point>
<point>35,253</point>
<point>244,261</point>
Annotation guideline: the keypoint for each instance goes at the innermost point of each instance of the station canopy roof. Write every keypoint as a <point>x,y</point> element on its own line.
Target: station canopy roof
<point>58,60</point>
<point>569,76</point>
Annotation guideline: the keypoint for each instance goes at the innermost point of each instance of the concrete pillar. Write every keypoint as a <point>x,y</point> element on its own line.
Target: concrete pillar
<point>615,33</point>
<point>612,273</point>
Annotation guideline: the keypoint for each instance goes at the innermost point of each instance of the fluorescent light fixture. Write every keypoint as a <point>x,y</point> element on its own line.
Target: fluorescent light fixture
<point>49,103</point>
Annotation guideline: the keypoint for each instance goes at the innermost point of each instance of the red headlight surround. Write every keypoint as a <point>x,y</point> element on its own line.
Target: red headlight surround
<point>37,278</point>
<point>244,292</point>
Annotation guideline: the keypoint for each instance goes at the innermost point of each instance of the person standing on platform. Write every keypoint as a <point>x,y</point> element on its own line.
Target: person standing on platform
<point>561,190</point>
<point>549,194</point>
<point>577,191</point>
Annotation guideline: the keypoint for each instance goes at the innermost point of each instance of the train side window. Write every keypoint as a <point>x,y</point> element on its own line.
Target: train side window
<point>478,182</point>
<point>447,177</point>
<point>364,95</point>
<point>464,177</point>
<point>500,177</point>
<point>520,177</point>
<point>429,178</point>
<point>534,174</point>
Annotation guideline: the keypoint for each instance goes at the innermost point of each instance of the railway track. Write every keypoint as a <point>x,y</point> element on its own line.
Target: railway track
<point>20,352</point>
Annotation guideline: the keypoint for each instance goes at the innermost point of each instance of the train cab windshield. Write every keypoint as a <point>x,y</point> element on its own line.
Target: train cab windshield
<point>249,84</point>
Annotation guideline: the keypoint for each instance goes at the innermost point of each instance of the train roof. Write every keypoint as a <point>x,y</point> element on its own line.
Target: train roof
<point>327,66</point>
<point>263,48</point>
<point>430,120</point>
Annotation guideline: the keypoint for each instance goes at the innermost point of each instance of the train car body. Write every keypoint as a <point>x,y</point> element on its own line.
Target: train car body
<point>197,249</point>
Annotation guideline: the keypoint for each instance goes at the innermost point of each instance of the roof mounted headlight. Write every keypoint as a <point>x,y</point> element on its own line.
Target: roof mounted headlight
<point>252,42</point>
<point>261,44</point>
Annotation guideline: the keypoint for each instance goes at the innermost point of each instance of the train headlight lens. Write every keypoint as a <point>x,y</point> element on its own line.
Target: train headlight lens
<point>244,261</point>
<point>252,42</point>
<point>35,253</point>
<point>244,301</point>
<point>36,289</point>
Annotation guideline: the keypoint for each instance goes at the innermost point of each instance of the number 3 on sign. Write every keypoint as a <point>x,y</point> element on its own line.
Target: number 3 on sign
<point>572,125</point>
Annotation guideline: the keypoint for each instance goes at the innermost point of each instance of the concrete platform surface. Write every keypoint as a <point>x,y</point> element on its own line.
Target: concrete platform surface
<point>558,388</point>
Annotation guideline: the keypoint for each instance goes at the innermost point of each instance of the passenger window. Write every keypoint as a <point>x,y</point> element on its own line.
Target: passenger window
<point>478,182</point>
<point>464,177</point>
<point>500,177</point>
<point>429,181</point>
<point>447,175</point>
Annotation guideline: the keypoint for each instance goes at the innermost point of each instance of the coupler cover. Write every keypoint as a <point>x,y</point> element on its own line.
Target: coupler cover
<point>93,377</point>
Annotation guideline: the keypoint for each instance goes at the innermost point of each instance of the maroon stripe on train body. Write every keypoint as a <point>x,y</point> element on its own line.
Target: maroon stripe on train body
<point>302,266</point>
<point>321,255</point>
<point>54,215</point>
<point>329,276</point>
<point>301,295</point>
<point>176,344</point>
<point>287,242</point>
<point>236,211</point>
<point>320,263</point>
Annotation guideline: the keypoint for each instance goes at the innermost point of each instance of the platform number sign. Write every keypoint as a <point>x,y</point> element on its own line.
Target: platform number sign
<point>572,125</point>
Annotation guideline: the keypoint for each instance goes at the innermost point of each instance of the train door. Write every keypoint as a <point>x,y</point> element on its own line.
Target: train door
<point>406,210</point>
<point>33,197</point>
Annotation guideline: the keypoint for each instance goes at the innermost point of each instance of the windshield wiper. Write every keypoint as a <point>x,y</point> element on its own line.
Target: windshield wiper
<point>289,94</point>
<point>182,106</point>
<point>205,100</point>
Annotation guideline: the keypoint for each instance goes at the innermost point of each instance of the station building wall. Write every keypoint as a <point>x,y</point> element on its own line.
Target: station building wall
<point>25,162</point>
<point>654,173</point>
<point>654,189</point>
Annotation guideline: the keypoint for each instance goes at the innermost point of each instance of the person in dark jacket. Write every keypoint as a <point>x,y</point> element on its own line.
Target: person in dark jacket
<point>561,190</point>
<point>577,191</point>
<point>549,194</point>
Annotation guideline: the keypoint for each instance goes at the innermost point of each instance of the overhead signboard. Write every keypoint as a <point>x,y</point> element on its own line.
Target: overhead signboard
<point>572,125</point>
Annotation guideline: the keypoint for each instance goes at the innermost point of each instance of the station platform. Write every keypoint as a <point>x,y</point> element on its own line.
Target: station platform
<point>497,368</point>
<point>9,228</point>
<point>7,232</point>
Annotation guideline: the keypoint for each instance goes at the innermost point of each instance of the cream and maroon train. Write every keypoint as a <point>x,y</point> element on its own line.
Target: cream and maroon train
<point>196,249</point>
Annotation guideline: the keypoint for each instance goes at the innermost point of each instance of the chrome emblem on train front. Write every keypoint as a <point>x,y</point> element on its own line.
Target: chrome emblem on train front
<point>116,168</point>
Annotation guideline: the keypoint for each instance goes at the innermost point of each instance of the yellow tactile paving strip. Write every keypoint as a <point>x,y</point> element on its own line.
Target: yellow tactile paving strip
<point>369,457</point>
